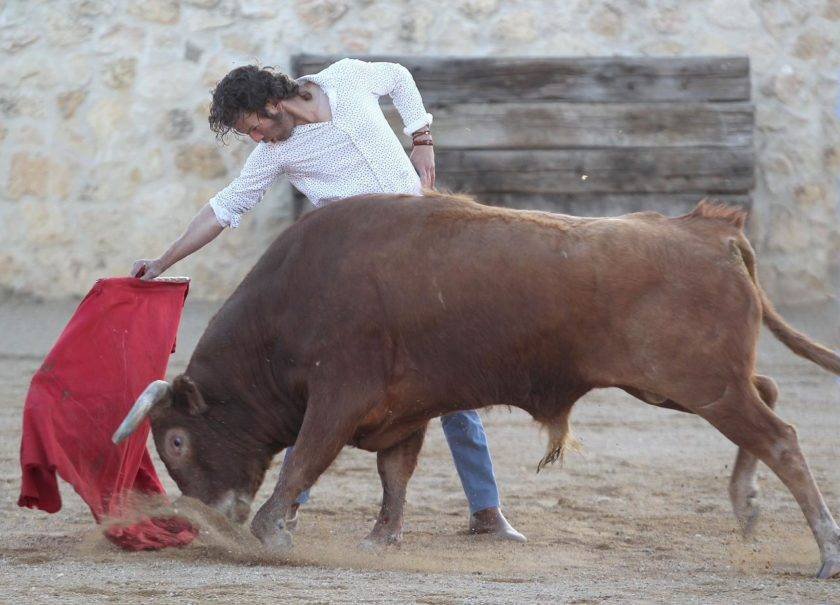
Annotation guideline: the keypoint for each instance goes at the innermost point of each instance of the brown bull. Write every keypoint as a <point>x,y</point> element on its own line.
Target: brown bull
<point>369,317</point>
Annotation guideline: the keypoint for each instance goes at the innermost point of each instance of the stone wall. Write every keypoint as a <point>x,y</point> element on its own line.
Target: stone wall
<point>106,153</point>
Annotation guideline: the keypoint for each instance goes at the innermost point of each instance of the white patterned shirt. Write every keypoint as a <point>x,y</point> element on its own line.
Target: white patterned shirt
<point>354,153</point>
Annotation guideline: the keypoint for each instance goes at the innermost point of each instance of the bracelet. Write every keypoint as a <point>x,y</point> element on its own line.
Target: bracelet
<point>420,133</point>
<point>429,142</point>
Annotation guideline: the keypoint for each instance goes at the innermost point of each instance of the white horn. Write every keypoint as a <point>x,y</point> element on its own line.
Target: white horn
<point>147,400</point>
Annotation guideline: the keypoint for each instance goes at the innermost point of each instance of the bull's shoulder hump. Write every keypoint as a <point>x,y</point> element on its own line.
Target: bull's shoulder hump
<point>711,210</point>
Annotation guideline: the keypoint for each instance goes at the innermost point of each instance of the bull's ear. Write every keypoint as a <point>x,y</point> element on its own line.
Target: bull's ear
<point>186,392</point>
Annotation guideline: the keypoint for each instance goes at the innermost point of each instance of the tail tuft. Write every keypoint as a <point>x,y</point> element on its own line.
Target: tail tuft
<point>560,440</point>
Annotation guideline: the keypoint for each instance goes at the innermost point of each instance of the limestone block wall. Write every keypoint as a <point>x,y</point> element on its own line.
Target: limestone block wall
<point>105,153</point>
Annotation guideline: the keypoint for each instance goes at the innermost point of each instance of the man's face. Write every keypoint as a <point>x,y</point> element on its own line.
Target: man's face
<point>273,126</point>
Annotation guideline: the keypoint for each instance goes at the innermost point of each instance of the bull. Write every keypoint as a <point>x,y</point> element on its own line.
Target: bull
<point>367,318</point>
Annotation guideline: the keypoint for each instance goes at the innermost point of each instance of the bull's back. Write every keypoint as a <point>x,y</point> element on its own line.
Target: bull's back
<point>488,292</point>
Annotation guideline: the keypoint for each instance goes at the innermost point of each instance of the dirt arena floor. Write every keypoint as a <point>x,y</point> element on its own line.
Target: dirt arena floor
<point>642,515</point>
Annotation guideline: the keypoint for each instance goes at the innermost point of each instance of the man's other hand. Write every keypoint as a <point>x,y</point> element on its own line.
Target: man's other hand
<point>147,269</point>
<point>423,158</point>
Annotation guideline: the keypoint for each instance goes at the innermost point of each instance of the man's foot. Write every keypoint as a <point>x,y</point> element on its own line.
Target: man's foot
<point>492,521</point>
<point>292,523</point>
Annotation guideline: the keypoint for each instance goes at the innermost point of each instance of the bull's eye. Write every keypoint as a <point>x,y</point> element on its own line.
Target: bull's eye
<point>177,444</point>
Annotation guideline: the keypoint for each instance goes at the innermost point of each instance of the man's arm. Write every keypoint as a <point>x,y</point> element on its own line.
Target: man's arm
<point>396,81</point>
<point>223,210</point>
<point>423,158</point>
<point>261,169</point>
<point>202,230</point>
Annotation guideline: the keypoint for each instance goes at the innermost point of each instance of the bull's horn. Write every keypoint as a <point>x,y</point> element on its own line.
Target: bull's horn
<point>147,400</point>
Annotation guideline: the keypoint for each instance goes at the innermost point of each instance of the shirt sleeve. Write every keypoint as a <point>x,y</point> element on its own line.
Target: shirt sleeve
<point>248,189</point>
<point>396,81</point>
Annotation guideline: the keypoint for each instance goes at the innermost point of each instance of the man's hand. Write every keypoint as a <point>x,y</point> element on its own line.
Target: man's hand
<point>423,158</point>
<point>147,269</point>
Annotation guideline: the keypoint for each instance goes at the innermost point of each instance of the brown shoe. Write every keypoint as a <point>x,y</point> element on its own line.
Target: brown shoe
<point>491,521</point>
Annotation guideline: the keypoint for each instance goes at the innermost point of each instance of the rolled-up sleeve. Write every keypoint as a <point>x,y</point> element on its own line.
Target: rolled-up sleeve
<point>248,189</point>
<point>396,81</point>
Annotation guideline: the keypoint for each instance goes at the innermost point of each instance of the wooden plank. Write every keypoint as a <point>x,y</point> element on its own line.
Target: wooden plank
<point>664,170</point>
<point>446,80</point>
<point>557,125</point>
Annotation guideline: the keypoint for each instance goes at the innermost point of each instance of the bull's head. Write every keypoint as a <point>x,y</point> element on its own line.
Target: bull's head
<point>201,445</point>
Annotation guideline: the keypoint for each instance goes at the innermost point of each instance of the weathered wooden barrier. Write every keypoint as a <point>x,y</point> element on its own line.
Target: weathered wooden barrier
<point>586,136</point>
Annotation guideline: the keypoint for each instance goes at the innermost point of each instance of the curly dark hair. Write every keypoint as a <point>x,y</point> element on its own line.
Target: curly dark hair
<point>245,90</point>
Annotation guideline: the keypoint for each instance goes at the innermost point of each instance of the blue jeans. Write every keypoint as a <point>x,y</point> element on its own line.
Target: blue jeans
<point>468,444</point>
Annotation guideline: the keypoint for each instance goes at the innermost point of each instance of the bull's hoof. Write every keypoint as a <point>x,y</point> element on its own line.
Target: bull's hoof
<point>376,541</point>
<point>746,509</point>
<point>272,534</point>
<point>830,568</point>
<point>747,517</point>
<point>279,541</point>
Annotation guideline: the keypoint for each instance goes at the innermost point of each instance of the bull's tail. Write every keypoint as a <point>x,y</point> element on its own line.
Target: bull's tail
<point>793,340</point>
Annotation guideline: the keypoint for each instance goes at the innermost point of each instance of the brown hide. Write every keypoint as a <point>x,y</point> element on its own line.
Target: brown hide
<point>387,311</point>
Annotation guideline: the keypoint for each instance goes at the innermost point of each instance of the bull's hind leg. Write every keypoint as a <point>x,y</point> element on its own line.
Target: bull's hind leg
<point>743,485</point>
<point>396,465</point>
<point>742,416</point>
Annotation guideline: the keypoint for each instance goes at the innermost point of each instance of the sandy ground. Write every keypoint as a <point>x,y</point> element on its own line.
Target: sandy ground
<point>642,515</point>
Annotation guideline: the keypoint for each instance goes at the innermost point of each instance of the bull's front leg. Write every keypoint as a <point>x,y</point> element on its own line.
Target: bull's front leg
<point>395,465</point>
<point>327,426</point>
<point>270,524</point>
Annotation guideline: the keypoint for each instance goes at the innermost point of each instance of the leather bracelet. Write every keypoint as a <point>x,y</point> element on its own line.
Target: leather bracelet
<point>429,142</point>
<point>420,133</point>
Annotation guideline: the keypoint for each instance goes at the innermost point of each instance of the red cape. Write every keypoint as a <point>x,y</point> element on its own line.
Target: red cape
<point>118,341</point>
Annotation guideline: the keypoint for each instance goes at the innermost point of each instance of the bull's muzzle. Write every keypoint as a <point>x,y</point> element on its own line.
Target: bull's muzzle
<point>236,507</point>
<point>154,394</point>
